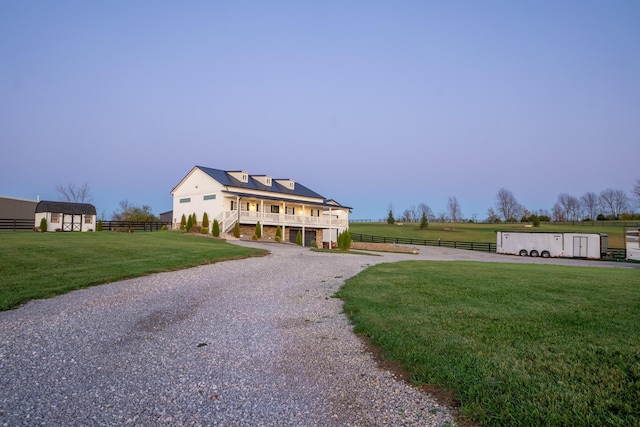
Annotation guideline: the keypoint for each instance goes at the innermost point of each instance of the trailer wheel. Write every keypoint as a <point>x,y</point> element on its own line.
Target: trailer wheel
<point>524,252</point>
<point>534,253</point>
<point>546,254</point>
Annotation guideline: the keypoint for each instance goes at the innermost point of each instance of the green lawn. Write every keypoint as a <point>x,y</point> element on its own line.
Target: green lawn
<point>479,232</point>
<point>528,345</point>
<point>40,265</point>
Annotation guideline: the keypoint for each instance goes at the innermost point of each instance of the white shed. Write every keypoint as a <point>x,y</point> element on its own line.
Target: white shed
<point>64,216</point>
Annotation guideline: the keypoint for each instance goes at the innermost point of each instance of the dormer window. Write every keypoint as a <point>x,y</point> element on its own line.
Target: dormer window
<point>263,179</point>
<point>240,176</point>
<point>287,183</point>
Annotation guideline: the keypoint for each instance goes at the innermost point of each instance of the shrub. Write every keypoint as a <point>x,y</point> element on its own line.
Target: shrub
<point>99,226</point>
<point>278,239</point>
<point>194,219</point>
<point>278,234</point>
<point>258,230</point>
<point>299,238</point>
<point>205,221</point>
<point>43,225</point>
<point>255,237</point>
<point>183,223</point>
<point>535,220</point>
<point>215,228</point>
<point>195,229</point>
<point>204,230</point>
<point>344,240</point>
<point>189,223</point>
<point>163,228</point>
<point>236,230</point>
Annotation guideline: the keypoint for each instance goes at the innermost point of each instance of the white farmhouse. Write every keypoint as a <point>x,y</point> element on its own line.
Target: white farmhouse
<point>237,196</point>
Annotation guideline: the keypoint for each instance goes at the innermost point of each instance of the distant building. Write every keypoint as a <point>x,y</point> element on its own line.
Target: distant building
<point>232,197</point>
<point>11,208</point>
<point>64,216</point>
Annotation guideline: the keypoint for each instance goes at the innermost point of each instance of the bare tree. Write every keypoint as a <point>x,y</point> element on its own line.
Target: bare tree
<point>570,205</point>
<point>74,194</point>
<point>590,204</point>
<point>558,213</point>
<point>455,212</point>
<point>636,191</point>
<point>507,205</point>
<point>492,216</point>
<point>131,212</point>
<point>614,202</point>
<point>406,216</point>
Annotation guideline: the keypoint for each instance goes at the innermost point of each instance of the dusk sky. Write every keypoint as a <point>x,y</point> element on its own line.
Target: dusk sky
<point>370,103</point>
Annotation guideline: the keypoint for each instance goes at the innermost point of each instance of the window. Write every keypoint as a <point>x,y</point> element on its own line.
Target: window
<point>315,212</point>
<point>209,197</point>
<point>233,205</point>
<point>275,209</point>
<point>185,200</point>
<point>88,219</point>
<point>55,218</point>
<point>291,211</point>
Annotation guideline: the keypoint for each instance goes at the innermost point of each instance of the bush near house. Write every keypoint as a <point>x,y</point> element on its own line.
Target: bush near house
<point>205,221</point>
<point>278,234</point>
<point>43,225</point>
<point>344,240</point>
<point>236,230</point>
<point>299,238</point>
<point>215,228</point>
<point>183,223</point>
<point>258,230</point>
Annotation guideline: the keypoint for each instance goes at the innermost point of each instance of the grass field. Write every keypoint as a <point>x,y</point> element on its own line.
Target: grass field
<point>478,232</point>
<point>40,265</point>
<point>527,345</point>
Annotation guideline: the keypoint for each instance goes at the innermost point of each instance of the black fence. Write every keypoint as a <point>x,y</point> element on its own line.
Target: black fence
<point>613,254</point>
<point>134,225</point>
<point>17,224</point>
<point>29,224</point>
<point>473,246</point>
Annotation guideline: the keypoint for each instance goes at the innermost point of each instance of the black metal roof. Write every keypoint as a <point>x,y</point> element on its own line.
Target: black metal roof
<point>66,208</point>
<point>226,179</point>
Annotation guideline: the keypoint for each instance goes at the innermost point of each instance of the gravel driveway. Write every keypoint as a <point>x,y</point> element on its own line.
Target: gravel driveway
<point>254,342</point>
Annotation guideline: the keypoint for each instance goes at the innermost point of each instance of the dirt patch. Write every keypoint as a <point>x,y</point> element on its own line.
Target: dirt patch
<point>384,247</point>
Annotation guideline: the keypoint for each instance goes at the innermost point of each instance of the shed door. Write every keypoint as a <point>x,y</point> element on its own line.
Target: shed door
<point>580,247</point>
<point>71,222</point>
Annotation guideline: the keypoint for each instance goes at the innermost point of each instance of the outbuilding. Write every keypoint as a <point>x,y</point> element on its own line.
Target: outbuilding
<point>64,216</point>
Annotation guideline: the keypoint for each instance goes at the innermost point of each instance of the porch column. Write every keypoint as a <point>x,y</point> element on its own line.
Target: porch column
<point>283,220</point>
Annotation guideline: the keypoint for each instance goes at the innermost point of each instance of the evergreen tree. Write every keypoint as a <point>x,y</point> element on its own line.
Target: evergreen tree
<point>215,228</point>
<point>236,230</point>
<point>43,225</point>
<point>258,230</point>
<point>424,223</point>
<point>205,221</point>
<point>390,219</point>
<point>183,223</point>
<point>299,238</point>
<point>99,225</point>
<point>278,234</point>
<point>189,224</point>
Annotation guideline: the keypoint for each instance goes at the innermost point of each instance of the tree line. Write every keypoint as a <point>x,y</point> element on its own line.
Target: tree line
<point>609,204</point>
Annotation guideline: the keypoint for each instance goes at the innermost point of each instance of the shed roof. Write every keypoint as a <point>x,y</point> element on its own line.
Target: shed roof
<point>66,208</point>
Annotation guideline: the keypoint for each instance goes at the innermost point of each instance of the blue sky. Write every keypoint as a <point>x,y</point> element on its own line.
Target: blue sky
<point>371,103</point>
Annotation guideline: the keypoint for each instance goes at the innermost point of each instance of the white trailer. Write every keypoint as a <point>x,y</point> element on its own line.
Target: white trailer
<point>632,242</point>
<point>567,245</point>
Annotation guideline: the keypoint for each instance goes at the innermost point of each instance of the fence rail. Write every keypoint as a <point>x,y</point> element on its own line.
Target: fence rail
<point>474,246</point>
<point>134,225</point>
<point>17,224</point>
<point>615,254</point>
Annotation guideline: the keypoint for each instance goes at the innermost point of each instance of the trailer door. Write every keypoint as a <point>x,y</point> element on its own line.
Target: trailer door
<point>580,246</point>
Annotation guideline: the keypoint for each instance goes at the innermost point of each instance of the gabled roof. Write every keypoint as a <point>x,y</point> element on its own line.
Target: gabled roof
<point>226,179</point>
<point>66,208</point>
